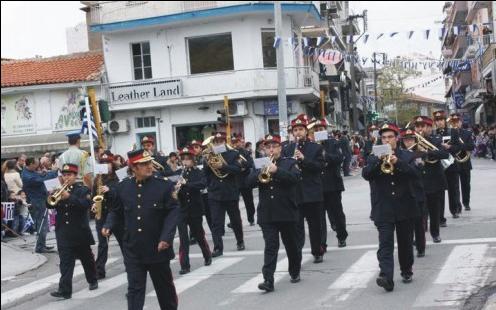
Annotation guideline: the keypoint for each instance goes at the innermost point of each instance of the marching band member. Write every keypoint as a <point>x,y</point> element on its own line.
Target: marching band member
<point>246,166</point>
<point>73,233</point>
<point>310,160</point>
<point>146,206</point>
<point>277,212</point>
<point>393,206</point>
<point>223,194</point>
<point>163,169</point>
<point>189,189</point>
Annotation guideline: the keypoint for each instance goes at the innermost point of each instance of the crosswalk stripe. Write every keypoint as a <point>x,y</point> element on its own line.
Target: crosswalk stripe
<point>21,292</point>
<point>251,286</point>
<point>465,270</point>
<point>191,279</point>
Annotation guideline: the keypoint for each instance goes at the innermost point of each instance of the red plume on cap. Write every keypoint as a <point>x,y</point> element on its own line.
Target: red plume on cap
<point>441,114</point>
<point>196,142</point>
<point>70,168</point>
<point>407,133</point>
<point>185,151</point>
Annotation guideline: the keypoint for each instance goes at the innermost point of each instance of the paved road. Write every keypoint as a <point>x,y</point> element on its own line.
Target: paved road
<point>446,278</point>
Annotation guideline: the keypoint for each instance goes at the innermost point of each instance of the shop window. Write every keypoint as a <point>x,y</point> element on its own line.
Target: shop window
<point>210,53</point>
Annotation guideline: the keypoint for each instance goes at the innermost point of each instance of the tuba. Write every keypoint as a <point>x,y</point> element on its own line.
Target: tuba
<point>98,198</point>
<point>213,159</point>
<point>55,197</point>
<point>265,177</point>
<point>423,145</point>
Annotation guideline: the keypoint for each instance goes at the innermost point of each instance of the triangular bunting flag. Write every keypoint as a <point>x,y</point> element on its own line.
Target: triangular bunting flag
<point>392,34</point>
<point>365,38</point>
<point>427,32</point>
<point>410,34</point>
<point>379,36</point>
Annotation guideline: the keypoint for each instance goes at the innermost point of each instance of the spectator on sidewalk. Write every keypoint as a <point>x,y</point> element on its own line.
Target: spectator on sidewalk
<point>21,163</point>
<point>12,177</point>
<point>37,196</point>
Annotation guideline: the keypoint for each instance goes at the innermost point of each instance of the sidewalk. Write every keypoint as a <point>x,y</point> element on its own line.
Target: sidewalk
<point>16,261</point>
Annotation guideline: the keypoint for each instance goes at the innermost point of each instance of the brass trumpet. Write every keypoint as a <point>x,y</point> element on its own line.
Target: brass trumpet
<point>387,166</point>
<point>265,176</point>
<point>55,197</point>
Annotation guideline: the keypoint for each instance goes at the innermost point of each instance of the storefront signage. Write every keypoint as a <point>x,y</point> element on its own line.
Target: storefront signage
<point>147,91</point>
<point>18,115</point>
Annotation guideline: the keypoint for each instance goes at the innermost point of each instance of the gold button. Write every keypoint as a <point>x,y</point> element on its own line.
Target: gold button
<point>189,200</point>
<point>272,187</point>
<point>392,183</point>
<point>139,218</point>
<point>393,193</point>
<point>271,197</point>
<point>139,206</point>
<point>154,204</point>
<point>139,195</point>
<point>220,181</point>
<point>139,229</point>
<point>66,213</point>
<point>67,222</point>
<point>139,185</point>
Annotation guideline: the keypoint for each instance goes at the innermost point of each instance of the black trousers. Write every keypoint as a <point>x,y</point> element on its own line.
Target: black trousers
<point>465,184</point>
<point>162,282</point>
<point>455,206</point>
<point>434,202</point>
<point>420,225</point>
<point>102,254</point>
<point>288,233</point>
<point>312,212</point>
<point>386,247</point>
<point>68,256</point>
<point>334,208</point>
<point>196,227</point>
<point>346,165</point>
<point>247,194</point>
<point>208,213</point>
<point>218,210</point>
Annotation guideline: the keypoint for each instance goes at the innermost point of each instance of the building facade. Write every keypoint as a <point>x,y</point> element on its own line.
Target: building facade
<point>170,64</point>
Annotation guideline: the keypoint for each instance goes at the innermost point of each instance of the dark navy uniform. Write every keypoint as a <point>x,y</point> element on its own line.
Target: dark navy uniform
<point>452,174</point>
<point>102,255</point>
<point>223,196</point>
<point>310,193</point>
<point>150,215</point>
<point>468,146</point>
<point>333,187</point>
<point>246,192</point>
<point>191,206</point>
<point>393,207</point>
<point>277,214</point>
<point>74,237</point>
<point>434,181</point>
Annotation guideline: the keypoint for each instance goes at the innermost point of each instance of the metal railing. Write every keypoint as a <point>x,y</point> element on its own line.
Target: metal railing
<point>105,12</point>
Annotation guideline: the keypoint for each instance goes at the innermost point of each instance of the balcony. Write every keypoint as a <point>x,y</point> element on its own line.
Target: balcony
<point>473,7</point>
<point>211,87</point>
<point>489,56</point>
<point>109,12</point>
<point>459,46</point>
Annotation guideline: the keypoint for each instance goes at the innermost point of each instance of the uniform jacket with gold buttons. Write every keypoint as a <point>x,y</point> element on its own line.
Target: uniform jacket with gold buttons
<point>278,201</point>
<point>433,176</point>
<point>224,189</point>
<point>72,226</point>
<point>189,195</point>
<point>149,215</point>
<point>393,195</point>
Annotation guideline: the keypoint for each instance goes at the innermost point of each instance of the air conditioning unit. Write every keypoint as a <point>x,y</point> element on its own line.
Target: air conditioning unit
<point>118,126</point>
<point>238,108</point>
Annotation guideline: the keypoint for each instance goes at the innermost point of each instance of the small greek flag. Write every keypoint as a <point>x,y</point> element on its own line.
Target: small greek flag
<point>84,127</point>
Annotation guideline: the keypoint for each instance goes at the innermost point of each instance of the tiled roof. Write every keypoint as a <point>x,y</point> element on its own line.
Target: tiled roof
<point>77,67</point>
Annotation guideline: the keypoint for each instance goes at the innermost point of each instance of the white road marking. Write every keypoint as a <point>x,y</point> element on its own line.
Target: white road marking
<point>465,270</point>
<point>191,279</point>
<point>32,288</point>
<point>251,286</point>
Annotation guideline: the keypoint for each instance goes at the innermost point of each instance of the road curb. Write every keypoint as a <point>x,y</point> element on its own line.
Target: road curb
<point>39,261</point>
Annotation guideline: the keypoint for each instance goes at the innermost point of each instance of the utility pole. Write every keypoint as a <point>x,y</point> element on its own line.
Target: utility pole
<point>281,80</point>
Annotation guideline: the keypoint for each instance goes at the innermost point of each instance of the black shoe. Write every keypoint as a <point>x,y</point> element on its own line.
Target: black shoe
<point>229,225</point>
<point>100,276</point>
<point>295,279</point>
<point>58,294</point>
<point>184,271</point>
<point>241,246</point>
<point>49,247</point>
<point>333,227</point>
<point>406,278</point>
<point>93,286</point>
<point>341,243</point>
<point>266,286</point>
<point>45,251</point>
<point>217,253</point>
<point>443,224</point>
<point>436,239</point>
<point>385,283</point>
<point>455,216</point>
<point>208,261</point>
<point>318,259</point>
<point>467,208</point>
<point>420,254</point>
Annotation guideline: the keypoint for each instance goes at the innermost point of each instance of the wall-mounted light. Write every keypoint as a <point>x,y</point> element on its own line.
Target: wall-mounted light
<point>203,108</point>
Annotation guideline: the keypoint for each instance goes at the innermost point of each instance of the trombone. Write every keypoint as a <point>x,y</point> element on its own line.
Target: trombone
<point>55,197</point>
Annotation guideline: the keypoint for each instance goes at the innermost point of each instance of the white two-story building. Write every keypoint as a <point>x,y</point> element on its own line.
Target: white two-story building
<point>170,64</point>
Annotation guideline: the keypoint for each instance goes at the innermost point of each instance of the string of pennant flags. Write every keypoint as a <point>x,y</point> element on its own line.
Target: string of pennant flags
<point>426,33</point>
<point>424,84</point>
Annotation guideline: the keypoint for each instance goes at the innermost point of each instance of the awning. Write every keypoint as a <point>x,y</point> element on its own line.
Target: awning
<point>36,144</point>
<point>473,98</point>
<point>478,113</point>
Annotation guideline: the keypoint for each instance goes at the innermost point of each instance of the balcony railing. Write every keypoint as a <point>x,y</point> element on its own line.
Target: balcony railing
<point>105,12</point>
<point>303,79</point>
<point>489,55</point>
